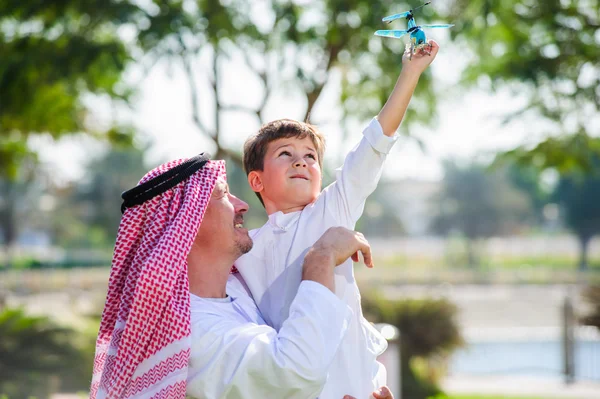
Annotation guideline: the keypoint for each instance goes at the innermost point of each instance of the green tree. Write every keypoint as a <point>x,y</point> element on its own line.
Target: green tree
<point>289,47</point>
<point>58,53</point>
<point>238,185</point>
<point>54,54</point>
<point>478,204</point>
<point>548,51</point>
<point>19,198</point>
<point>81,214</point>
<point>381,217</point>
<point>579,196</point>
<point>96,201</point>
<point>527,179</point>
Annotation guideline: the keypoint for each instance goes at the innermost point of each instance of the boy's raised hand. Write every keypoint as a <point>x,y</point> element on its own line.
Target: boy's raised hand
<point>421,58</point>
<point>394,109</point>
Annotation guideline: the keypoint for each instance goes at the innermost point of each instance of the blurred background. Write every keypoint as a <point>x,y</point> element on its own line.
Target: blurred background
<point>485,225</point>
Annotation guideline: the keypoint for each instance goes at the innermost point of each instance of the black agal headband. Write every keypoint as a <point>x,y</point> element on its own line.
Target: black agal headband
<point>161,183</point>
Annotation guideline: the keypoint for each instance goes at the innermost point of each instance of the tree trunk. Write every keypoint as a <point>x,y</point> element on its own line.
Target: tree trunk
<point>8,226</point>
<point>584,242</point>
<point>471,254</point>
<point>8,218</point>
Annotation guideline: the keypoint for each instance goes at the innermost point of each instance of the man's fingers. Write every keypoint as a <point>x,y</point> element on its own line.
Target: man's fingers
<point>343,243</point>
<point>365,249</point>
<point>368,259</point>
<point>383,393</point>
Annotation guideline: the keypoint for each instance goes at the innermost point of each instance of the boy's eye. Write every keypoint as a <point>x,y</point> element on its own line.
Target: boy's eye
<point>285,153</point>
<point>311,156</point>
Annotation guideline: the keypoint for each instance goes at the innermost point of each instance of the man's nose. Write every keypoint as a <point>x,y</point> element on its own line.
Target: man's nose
<point>239,205</point>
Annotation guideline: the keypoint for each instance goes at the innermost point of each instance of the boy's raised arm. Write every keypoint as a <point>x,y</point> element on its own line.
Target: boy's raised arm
<point>363,166</point>
<point>394,109</point>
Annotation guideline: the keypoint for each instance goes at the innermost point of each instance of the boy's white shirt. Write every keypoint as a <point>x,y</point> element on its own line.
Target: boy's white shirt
<point>272,270</point>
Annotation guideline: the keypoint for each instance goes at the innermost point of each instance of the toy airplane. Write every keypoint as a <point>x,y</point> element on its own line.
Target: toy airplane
<point>418,40</point>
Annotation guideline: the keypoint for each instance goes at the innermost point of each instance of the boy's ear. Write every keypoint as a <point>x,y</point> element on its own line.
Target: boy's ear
<point>255,181</point>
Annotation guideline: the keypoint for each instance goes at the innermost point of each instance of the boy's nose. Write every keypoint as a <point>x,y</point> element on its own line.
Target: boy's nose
<point>300,162</point>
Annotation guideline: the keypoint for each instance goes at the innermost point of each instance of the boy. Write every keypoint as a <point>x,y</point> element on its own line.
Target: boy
<point>283,162</point>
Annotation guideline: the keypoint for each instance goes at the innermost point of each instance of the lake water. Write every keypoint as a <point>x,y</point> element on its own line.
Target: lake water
<point>527,358</point>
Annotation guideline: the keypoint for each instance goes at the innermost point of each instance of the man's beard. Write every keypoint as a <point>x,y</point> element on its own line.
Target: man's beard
<point>243,246</point>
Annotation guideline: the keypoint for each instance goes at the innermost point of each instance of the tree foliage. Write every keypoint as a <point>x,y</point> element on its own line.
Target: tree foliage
<point>18,199</point>
<point>380,217</point>
<point>291,47</point>
<point>478,204</point>
<point>88,213</point>
<point>428,329</point>
<point>107,177</point>
<point>58,52</point>
<point>579,196</point>
<point>527,179</point>
<point>54,53</point>
<point>549,51</point>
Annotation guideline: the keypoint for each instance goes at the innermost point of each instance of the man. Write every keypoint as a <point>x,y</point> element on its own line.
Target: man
<point>181,231</point>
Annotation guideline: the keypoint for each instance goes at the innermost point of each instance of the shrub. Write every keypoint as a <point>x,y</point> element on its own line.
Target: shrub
<point>36,356</point>
<point>428,333</point>
<point>592,296</point>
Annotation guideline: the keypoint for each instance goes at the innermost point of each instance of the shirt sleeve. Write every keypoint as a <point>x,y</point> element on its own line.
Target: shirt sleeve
<point>359,175</point>
<point>231,359</point>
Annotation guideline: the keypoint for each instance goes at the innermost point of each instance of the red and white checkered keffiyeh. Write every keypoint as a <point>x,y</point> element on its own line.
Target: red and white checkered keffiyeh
<point>143,344</point>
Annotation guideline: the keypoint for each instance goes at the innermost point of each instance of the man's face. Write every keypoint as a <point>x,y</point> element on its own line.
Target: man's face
<point>223,220</point>
<point>291,175</point>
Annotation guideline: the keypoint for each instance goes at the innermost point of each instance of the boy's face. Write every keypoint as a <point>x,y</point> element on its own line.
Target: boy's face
<point>291,175</point>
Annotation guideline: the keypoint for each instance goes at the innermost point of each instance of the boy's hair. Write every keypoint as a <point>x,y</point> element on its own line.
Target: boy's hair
<point>255,147</point>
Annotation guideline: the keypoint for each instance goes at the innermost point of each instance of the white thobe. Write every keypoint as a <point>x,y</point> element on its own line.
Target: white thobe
<point>272,269</point>
<point>235,355</point>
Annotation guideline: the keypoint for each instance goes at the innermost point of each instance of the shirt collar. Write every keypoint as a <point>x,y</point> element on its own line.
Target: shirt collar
<point>282,222</point>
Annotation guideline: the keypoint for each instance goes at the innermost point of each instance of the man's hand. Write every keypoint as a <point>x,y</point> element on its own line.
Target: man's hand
<point>381,393</point>
<point>332,249</point>
<point>341,243</point>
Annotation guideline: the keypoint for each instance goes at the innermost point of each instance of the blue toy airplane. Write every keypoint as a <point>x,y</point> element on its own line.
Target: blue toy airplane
<point>418,40</point>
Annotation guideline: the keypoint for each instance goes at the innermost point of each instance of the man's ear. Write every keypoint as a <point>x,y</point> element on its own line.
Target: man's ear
<point>255,181</point>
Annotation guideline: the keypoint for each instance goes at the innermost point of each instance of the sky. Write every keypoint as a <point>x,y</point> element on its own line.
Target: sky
<point>469,121</point>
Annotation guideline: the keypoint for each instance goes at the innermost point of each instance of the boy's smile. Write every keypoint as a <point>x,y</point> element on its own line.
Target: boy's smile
<point>291,175</point>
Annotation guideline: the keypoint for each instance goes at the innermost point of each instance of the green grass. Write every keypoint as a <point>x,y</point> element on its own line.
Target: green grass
<point>425,268</point>
<point>402,274</point>
<point>483,397</point>
<point>497,262</point>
